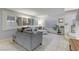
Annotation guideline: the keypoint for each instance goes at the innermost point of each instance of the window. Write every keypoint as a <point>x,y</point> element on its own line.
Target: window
<point>19,21</point>
<point>10,18</point>
<point>31,21</point>
<point>25,21</point>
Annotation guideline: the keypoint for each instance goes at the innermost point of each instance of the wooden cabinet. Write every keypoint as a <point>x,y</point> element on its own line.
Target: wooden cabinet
<point>74,45</point>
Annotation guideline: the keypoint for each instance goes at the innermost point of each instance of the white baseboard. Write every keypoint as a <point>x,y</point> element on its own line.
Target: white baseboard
<point>6,39</point>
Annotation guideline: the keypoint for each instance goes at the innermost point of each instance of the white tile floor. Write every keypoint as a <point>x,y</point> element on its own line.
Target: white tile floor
<point>54,42</point>
<point>51,42</point>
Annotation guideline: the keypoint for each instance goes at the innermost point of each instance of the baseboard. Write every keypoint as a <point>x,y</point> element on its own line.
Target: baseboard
<point>6,39</point>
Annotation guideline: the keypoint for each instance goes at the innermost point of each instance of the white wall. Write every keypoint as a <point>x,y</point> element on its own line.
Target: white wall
<point>77,24</point>
<point>51,21</point>
<point>69,17</point>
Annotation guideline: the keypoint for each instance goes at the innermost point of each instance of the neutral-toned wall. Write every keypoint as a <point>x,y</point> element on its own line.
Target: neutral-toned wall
<point>51,21</point>
<point>69,17</point>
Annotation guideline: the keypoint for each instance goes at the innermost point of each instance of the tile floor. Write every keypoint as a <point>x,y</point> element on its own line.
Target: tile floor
<point>51,42</point>
<point>54,42</point>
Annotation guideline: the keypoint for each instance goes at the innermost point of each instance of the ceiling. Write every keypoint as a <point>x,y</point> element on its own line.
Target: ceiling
<point>39,11</point>
<point>47,11</point>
